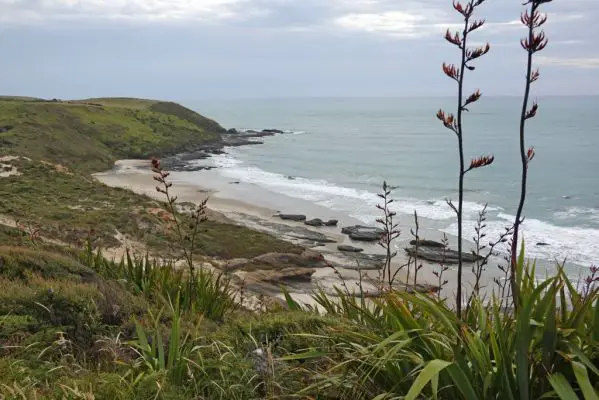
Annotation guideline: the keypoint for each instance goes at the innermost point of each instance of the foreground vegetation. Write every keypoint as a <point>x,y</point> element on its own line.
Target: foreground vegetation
<point>76,325</point>
<point>79,326</point>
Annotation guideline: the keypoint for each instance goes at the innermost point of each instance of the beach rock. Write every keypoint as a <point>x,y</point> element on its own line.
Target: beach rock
<point>349,229</point>
<point>234,183</point>
<point>543,244</point>
<point>292,217</point>
<point>331,222</point>
<point>366,234</point>
<point>349,249</point>
<point>358,261</point>
<point>273,131</point>
<point>440,255</point>
<point>426,243</point>
<point>232,131</point>
<point>307,235</point>
<point>314,222</point>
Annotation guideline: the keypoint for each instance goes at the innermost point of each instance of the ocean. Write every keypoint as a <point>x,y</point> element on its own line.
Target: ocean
<point>337,153</point>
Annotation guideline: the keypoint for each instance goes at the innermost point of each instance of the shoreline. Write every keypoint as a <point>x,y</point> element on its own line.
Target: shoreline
<point>258,211</point>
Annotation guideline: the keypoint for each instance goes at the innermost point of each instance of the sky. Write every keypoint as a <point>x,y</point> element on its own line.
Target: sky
<point>209,49</point>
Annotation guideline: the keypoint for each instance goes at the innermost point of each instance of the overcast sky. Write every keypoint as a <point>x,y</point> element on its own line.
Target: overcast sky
<point>201,49</point>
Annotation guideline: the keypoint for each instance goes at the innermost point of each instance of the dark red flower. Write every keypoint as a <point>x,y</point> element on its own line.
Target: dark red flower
<point>448,120</point>
<point>455,39</point>
<point>475,25</point>
<point>478,52</point>
<point>481,162</point>
<point>532,112</point>
<point>465,11</point>
<point>538,43</point>
<point>535,21</point>
<point>451,71</point>
<point>473,97</point>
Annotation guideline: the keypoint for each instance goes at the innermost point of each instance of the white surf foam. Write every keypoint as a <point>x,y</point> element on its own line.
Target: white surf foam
<point>591,214</point>
<point>576,244</point>
<point>573,244</point>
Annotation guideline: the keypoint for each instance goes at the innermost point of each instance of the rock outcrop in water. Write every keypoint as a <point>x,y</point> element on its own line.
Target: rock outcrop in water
<point>431,251</point>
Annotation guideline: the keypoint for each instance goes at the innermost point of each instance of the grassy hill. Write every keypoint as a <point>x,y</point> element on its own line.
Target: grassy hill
<point>89,135</point>
<point>54,146</point>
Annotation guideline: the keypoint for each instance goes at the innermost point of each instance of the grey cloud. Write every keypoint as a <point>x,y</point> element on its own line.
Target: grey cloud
<point>269,48</point>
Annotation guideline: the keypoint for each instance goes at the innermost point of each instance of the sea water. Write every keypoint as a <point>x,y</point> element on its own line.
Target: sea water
<point>337,152</point>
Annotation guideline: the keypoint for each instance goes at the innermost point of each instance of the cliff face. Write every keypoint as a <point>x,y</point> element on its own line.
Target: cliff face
<point>89,135</point>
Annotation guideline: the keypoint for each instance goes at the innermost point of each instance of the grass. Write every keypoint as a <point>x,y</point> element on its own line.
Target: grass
<point>60,143</point>
<point>64,337</point>
<point>90,135</point>
<point>102,335</point>
<point>417,347</point>
<point>66,206</point>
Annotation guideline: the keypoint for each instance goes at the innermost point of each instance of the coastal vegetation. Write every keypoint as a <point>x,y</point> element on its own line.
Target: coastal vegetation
<point>166,320</point>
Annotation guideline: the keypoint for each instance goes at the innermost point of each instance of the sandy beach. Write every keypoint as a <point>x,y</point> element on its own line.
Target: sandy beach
<point>255,208</point>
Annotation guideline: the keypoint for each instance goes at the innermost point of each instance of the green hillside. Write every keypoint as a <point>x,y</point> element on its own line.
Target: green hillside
<point>51,148</point>
<point>89,135</point>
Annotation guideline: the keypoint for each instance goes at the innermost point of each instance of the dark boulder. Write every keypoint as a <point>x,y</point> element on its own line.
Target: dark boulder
<point>292,217</point>
<point>331,222</point>
<point>426,243</point>
<point>365,236</point>
<point>363,233</point>
<point>349,249</point>
<point>349,229</point>
<point>273,131</point>
<point>543,244</point>
<point>314,222</point>
<point>232,131</point>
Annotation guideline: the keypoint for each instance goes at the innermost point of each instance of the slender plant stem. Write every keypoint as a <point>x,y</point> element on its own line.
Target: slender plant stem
<point>523,158</point>
<point>462,167</point>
